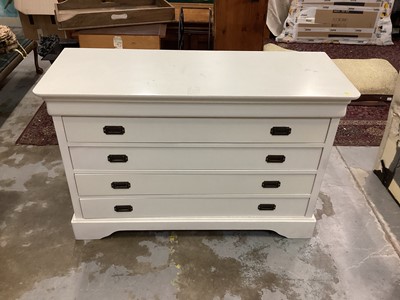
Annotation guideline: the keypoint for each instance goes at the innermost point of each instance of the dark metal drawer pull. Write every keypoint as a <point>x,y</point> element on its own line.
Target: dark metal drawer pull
<point>113,130</point>
<point>266,207</point>
<point>117,158</point>
<point>123,208</point>
<point>281,130</point>
<point>271,184</point>
<point>118,185</point>
<point>275,158</point>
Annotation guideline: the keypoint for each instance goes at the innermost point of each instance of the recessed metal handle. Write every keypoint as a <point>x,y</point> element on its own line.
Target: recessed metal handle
<point>275,158</point>
<point>281,130</point>
<point>273,184</point>
<point>114,130</point>
<point>123,208</point>
<point>120,185</point>
<point>117,158</point>
<point>266,207</point>
<point>115,17</point>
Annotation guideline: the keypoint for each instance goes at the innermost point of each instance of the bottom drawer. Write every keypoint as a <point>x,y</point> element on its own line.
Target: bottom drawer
<point>98,208</point>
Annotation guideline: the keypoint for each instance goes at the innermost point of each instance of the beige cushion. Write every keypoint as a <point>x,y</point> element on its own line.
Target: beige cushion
<point>370,76</point>
<point>273,47</point>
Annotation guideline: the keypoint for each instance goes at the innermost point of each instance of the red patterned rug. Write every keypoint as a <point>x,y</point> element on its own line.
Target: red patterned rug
<point>40,130</point>
<point>362,126</point>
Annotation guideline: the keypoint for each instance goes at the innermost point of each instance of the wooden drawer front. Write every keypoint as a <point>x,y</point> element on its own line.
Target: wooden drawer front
<point>190,207</point>
<point>191,184</point>
<point>194,130</point>
<point>191,158</point>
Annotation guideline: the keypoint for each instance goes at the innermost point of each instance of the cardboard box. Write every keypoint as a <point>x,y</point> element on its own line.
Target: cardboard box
<point>128,37</point>
<point>346,18</point>
<point>333,35</point>
<point>35,7</point>
<point>330,23</point>
<point>354,3</point>
<point>35,26</point>
<point>37,18</point>
<point>387,166</point>
<point>347,21</point>
<point>338,17</point>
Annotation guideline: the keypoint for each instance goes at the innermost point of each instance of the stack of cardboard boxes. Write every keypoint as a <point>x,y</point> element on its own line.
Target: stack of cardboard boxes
<point>347,21</point>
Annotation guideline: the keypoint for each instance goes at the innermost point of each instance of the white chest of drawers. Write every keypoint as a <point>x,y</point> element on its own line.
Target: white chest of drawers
<point>174,140</point>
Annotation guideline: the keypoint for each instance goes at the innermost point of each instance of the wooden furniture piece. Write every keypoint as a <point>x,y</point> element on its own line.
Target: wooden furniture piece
<point>197,33</point>
<point>127,37</point>
<point>195,12</point>
<point>240,24</point>
<point>75,14</point>
<point>186,32</point>
<point>183,140</point>
<point>9,61</point>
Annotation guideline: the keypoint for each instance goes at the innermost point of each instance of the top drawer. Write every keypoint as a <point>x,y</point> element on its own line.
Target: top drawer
<point>192,130</point>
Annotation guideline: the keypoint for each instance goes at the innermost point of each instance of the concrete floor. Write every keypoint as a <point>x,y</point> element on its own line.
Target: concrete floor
<point>354,253</point>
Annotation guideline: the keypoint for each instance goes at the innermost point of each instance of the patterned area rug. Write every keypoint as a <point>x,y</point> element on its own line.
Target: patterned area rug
<point>40,130</point>
<point>362,126</point>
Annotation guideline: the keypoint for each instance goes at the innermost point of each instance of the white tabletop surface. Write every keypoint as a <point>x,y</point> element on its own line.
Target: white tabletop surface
<point>169,74</point>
